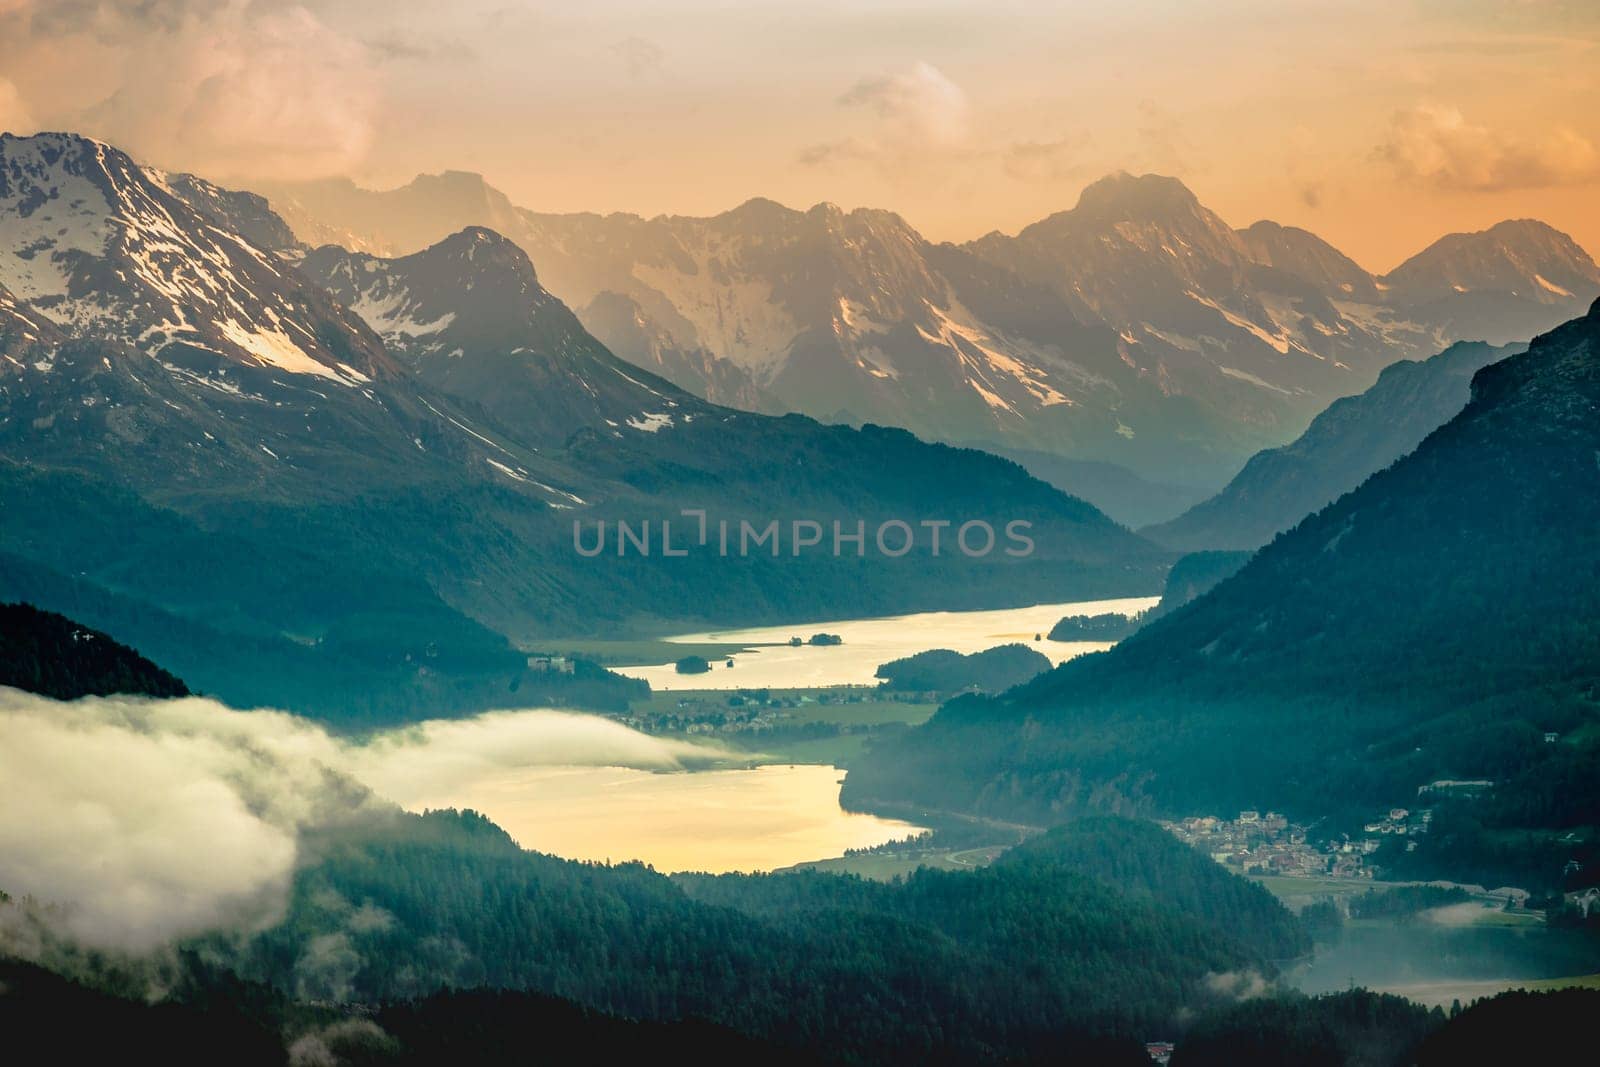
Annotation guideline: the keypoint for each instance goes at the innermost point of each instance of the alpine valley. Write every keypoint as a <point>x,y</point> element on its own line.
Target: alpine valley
<point>338,479</point>
<point>435,631</point>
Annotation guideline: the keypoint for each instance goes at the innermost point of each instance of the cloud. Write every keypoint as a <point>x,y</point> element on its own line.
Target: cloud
<point>1438,146</point>
<point>345,1041</point>
<point>149,821</point>
<point>227,87</point>
<point>133,823</point>
<point>1238,985</point>
<point>916,113</point>
<point>446,754</point>
<point>920,106</point>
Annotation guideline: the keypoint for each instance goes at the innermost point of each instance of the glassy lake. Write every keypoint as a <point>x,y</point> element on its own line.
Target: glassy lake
<point>769,662</point>
<point>587,787</point>
<point>753,819</point>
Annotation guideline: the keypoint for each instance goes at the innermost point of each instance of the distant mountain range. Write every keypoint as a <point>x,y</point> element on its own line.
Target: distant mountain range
<point>1355,438</point>
<point>1437,623</point>
<point>371,468</point>
<point>1137,329</point>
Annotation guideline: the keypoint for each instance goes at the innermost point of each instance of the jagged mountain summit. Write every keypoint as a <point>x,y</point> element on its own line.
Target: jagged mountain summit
<point>167,351</point>
<point>1305,255</point>
<point>1264,324</point>
<point>469,317</point>
<point>107,250</point>
<point>853,317</point>
<point>1137,329</point>
<point>1498,285</point>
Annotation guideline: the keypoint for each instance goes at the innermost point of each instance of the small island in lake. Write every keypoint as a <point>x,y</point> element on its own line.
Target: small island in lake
<point>1108,627</point>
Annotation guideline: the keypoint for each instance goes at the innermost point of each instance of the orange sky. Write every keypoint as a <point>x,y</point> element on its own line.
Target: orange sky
<point>1378,125</point>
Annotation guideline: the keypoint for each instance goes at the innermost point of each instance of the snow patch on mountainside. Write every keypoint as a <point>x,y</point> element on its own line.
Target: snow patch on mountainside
<point>39,232</point>
<point>1551,287</point>
<point>650,422</point>
<point>739,318</point>
<point>1246,376</point>
<point>1279,341</point>
<point>391,315</point>
<point>274,349</point>
<point>980,350</point>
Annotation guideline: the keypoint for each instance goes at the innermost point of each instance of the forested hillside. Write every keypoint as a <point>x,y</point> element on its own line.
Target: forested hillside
<point>1022,957</point>
<point>50,654</point>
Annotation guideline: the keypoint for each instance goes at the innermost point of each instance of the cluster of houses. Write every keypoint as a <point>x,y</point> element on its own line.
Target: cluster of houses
<point>1268,843</point>
<point>1257,843</point>
<point>720,717</point>
<point>1400,822</point>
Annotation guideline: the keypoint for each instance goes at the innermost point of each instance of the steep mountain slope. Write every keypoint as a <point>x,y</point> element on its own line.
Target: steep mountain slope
<point>1195,304</point>
<point>854,317</point>
<point>1131,500</point>
<point>103,249</point>
<point>1432,624</point>
<point>1354,439</point>
<point>1305,255</point>
<point>519,353</point>
<point>623,326</point>
<point>469,317</point>
<point>243,213</point>
<point>173,355</point>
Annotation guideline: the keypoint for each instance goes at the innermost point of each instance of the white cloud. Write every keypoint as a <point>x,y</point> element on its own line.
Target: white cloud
<point>1438,146</point>
<point>920,106</point>
<point>916,112</point>
<point>133,823</point>
<point>147,821</point>
<point>225,87</point>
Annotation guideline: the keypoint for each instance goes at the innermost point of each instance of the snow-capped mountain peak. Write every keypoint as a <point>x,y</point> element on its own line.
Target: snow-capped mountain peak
<point>469,317</point>
<point>102,247</point>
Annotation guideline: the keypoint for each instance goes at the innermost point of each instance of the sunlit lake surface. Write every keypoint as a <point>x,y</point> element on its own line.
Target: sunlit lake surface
<point>869,643</point>
<point>587,787</point>
<point>710,820</point>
